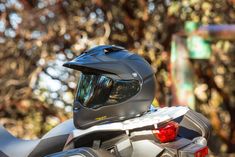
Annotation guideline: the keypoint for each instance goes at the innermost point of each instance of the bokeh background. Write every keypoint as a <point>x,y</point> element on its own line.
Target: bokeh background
<point>38,36</point>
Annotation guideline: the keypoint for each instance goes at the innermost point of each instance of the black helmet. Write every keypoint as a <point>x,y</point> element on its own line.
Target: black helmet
<point>114,84</point>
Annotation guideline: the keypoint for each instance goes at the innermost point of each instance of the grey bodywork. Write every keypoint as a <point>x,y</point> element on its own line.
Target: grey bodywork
<point>15,147</point>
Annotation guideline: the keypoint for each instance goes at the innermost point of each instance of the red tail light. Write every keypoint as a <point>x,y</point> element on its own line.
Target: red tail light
<point>202,152</point>
<point>167,132</point>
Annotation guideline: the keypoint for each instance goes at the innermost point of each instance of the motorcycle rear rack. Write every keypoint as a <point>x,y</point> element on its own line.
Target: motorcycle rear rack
<point>156,118</point>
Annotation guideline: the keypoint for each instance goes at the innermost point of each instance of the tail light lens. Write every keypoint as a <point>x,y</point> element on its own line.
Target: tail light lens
<point>202,152</point>
<point>167,132</point>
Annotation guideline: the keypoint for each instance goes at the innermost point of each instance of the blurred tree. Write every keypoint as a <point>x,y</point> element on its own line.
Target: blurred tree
<point>37,36</point>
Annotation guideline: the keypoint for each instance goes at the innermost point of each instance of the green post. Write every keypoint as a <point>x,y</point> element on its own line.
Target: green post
<point>198,47</point>
<point>182,73</point>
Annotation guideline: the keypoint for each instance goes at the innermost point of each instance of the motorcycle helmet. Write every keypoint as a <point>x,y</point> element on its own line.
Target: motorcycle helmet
<point>114,85</point>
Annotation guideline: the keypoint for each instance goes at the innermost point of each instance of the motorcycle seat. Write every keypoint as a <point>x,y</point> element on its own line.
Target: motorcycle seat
<point>51,142</point>
<point>13,146</point>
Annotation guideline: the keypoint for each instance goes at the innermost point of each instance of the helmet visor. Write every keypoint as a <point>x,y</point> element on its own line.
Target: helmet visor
<point>95,91</point>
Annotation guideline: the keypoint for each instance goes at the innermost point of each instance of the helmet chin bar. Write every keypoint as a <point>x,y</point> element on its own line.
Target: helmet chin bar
<point>157,118</point>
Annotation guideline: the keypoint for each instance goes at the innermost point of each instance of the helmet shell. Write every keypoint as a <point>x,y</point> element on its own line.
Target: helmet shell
<point>117,64</point>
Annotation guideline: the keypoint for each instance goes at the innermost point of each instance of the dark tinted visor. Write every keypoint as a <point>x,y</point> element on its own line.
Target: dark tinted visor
<point>95,91</point>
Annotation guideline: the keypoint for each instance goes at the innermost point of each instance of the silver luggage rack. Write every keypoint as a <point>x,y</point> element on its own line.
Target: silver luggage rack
<point>155,118</point>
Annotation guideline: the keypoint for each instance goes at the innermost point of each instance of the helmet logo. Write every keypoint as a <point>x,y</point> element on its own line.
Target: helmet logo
<point>101,118</point>
<point>134,74</point>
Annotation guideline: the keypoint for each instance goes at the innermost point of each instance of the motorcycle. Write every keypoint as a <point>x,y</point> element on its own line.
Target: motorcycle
<point>112,115</point>
<point>162,132</point>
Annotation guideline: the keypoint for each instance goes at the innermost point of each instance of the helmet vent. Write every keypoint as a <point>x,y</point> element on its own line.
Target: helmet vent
<point>113,49</point>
